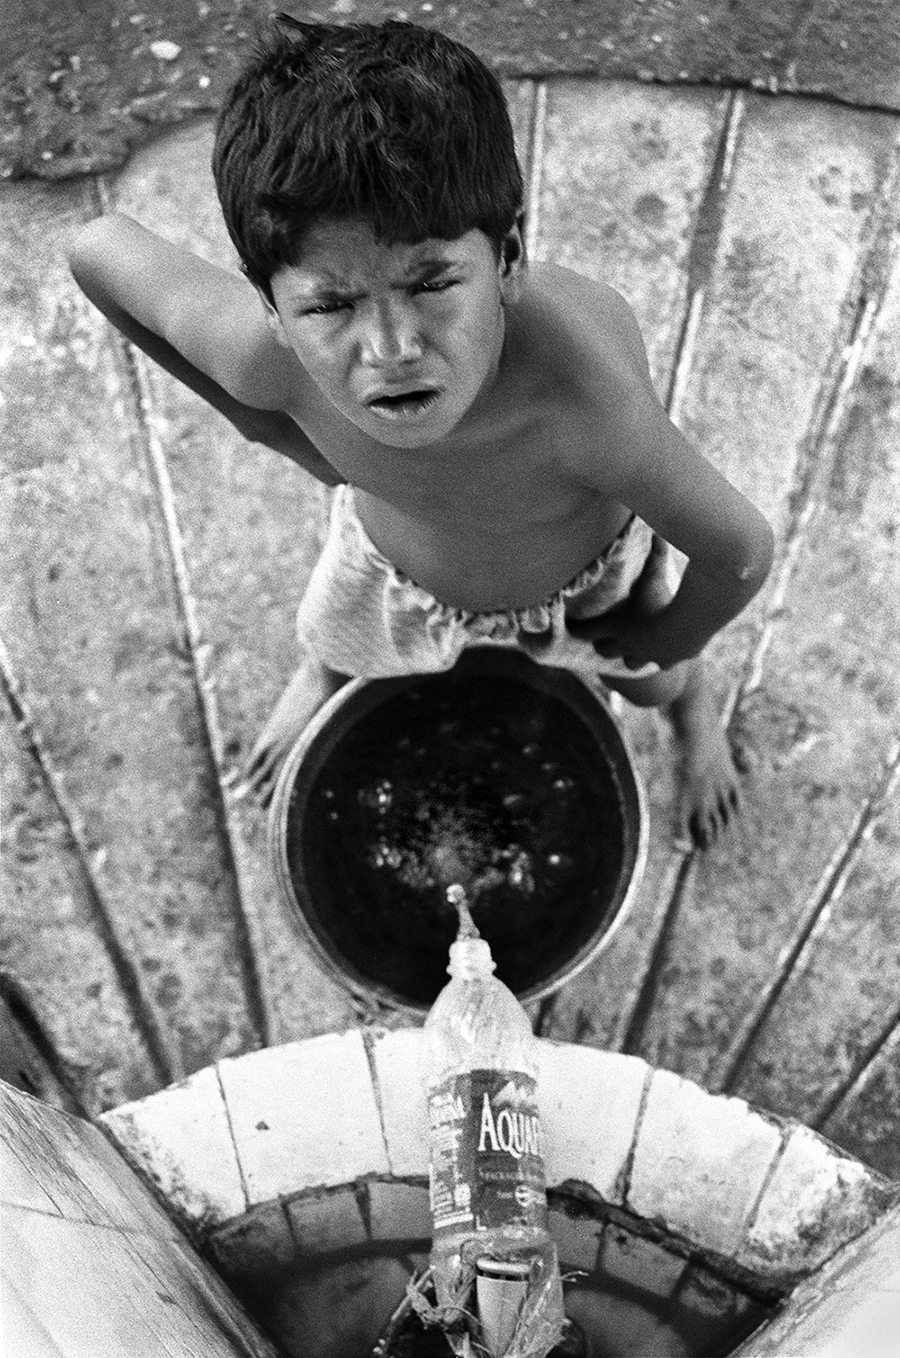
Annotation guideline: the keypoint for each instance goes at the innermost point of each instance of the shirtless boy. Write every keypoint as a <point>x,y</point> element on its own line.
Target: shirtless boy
<point>505,471</point>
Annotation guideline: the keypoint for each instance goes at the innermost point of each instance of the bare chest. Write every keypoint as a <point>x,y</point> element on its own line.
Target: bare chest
<point>501,526</point>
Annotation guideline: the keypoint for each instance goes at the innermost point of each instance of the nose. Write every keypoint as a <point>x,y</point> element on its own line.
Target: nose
<point>390,334</point>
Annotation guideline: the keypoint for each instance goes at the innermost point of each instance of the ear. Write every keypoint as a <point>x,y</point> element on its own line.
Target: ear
<point>273,319</point>
<point>512,262</point>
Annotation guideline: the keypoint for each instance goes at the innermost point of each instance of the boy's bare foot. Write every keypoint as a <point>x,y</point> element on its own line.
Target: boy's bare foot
<point>709,795</point>
<point>309,688</point>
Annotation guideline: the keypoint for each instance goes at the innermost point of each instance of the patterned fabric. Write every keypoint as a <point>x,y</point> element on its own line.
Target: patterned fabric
<point>363,617</point>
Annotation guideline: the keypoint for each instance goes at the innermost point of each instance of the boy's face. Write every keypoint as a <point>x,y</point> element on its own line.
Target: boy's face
<point>401,339</point>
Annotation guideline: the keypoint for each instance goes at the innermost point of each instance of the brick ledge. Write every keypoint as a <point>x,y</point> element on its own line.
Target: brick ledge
<point>766,1194</point>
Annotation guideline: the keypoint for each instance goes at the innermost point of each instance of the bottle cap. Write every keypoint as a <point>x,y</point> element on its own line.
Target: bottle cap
<point>470,957</point>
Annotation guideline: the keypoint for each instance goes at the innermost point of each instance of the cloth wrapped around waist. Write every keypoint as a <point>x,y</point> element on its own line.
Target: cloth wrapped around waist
<point>363,617</point>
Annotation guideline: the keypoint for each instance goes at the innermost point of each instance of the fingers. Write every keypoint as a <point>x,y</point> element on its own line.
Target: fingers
<point>618,642</point>
<point>588,629</point>
<point>604,628</point>
<point>259,775</point>
<point>608,649</point>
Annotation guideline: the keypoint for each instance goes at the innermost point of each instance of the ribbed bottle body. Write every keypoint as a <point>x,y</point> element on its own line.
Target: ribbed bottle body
<point>488,1190</point>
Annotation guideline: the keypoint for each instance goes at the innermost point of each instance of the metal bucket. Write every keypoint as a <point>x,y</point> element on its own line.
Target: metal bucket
<point>515,773</point>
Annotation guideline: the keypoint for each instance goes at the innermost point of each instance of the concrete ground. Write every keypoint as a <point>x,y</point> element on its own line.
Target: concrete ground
<point>154,560</point>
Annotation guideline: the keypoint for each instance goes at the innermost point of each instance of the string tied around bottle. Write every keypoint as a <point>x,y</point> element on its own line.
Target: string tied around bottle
<point>538,1329</point>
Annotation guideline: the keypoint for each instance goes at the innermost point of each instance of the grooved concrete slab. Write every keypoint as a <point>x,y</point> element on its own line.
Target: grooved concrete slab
<point>51,944</point>
<point>92,628</point>
<point>817,721</point>
<point>842,636</point>
<point>795,217</point>
<point>252,525</point>
<point>866,1121</point>
<point>820,719</point>
<point>617,197</point>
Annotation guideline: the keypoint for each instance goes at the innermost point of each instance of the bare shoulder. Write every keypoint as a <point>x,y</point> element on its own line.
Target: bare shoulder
<point>589,342</point>
<point>595,372</point>
<point>600,325</point>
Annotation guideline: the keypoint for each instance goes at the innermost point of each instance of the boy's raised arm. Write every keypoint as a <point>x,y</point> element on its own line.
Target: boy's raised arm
<point>199,322</point>
<point>728,542</point>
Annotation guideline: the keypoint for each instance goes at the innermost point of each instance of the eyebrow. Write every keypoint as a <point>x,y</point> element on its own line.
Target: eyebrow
<point>328,285</point>
<point>430,267</point>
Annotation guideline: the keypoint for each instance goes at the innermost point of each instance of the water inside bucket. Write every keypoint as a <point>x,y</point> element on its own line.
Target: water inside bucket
<point>465,775</point>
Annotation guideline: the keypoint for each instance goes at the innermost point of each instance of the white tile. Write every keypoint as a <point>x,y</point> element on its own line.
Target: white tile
<point>589,1102</point>
<point>181,1139</point>
<point>699,1162</point>
<point>399,1061</point>
<point>816,1200</point>
<point>304,1115</point>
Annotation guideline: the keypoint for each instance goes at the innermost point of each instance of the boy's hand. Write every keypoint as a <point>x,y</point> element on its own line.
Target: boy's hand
<point>626,632</point>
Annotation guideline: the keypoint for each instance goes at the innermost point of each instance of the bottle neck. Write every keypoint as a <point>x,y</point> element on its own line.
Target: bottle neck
<point>470,959</point>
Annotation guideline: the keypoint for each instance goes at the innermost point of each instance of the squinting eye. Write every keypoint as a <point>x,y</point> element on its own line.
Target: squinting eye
<point>325,308</point>
<point>441,285</point>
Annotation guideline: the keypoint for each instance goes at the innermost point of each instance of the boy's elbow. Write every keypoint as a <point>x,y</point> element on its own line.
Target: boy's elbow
<point>93,243</point>
<point>756,561</point>
<point>85,246</point>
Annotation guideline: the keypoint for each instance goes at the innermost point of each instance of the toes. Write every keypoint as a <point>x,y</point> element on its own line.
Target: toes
<point>725,807</point>
<point>258,776</point>
<point>263,784</point>
<point>259,759</point>
<point>712,815</point>
<point>707,821</point>
<point>729,804</point>
<point>741,757</point>
<point>699,827</point>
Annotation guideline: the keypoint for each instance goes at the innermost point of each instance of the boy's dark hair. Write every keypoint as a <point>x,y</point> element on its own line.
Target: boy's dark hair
<point>391,123</point>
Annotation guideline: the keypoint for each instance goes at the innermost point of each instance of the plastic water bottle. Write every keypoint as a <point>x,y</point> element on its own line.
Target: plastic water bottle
<point>492,1256</point>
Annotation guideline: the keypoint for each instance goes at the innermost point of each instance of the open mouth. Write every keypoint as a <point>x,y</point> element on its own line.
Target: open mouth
<point>405,403</point>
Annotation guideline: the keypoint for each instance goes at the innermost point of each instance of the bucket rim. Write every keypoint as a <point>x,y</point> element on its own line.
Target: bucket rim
<point>498,660</point>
